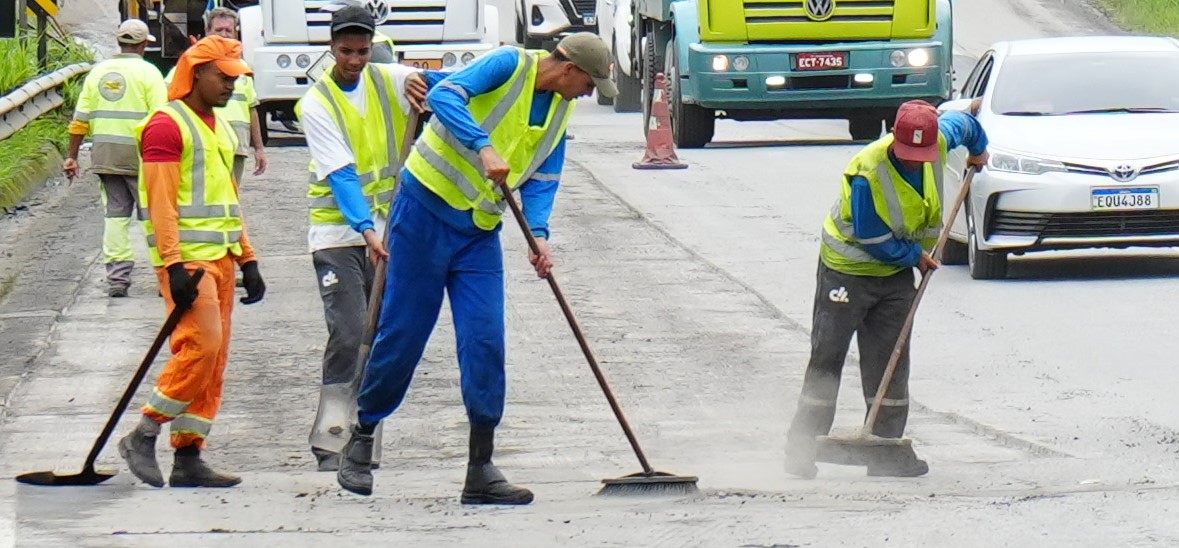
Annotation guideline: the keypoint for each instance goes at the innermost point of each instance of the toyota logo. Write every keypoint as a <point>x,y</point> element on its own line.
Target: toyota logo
<point>820,10</point>
<point>1123,173</point>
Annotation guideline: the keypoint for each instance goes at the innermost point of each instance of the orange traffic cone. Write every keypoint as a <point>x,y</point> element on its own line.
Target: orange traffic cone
<point>660,146</point>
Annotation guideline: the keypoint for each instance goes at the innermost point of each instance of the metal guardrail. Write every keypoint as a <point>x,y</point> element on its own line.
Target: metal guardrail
<point>35,98</point>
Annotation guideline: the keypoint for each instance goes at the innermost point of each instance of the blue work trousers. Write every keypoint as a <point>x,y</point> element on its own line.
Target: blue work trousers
<point>428,257</point>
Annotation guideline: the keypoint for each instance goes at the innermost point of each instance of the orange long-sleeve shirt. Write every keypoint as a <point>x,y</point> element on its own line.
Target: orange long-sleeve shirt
<point>162,150</point>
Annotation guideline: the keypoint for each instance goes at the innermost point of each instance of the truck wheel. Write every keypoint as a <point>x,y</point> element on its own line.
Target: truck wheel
<point>692,126</point>
<point>865,128</point>
<point>630,91</point>
<point>263,118</point>
<point>531,42</point>
<point>652,65</point>
<point>984,265</point>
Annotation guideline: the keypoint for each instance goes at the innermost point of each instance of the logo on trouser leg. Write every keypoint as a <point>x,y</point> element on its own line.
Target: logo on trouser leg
<point>330,279</point>
<point>839,295</point>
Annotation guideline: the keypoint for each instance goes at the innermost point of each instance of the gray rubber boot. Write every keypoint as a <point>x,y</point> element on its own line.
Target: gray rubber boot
<point>485,484</point>
<point>193,471</point>
<point>139,450</point>
<point>356,464</point>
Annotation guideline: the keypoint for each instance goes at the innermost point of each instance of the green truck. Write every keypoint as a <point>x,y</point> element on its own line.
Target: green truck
<point>779,59</point>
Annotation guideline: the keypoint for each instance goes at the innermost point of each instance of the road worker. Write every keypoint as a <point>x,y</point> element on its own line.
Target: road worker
<point>354,120</point>
<point>242,109</point>
<point>193,220</point>
<point>116,96</point>
<point>499,121</point>
<point>885,222</point>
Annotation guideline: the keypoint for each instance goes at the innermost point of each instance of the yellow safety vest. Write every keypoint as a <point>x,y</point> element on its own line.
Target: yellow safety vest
<point>455,173</point>
<point>237,110</point>
<point>909,215</point>
<point>116,96</point>
<point>210,218</point>
<point>373,139</point>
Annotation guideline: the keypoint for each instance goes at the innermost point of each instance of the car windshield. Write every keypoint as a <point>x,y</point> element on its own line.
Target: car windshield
<point>1117,82</point>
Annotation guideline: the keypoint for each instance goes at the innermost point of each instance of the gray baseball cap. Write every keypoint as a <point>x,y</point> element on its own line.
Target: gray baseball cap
<point>591,54</point>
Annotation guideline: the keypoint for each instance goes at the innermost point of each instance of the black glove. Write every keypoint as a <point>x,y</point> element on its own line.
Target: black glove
<point>252,280</point>
<point>184,292</point>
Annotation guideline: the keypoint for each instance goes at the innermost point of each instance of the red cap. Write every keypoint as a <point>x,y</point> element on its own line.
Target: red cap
<point>915,133</point>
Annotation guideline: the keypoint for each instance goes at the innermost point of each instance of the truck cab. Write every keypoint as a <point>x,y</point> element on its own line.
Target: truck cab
<point>286,41</point>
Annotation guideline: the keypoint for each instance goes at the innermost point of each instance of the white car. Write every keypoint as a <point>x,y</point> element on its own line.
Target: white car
<point>545,21</point>
<point>614,22</point>
<point>1084,143</point>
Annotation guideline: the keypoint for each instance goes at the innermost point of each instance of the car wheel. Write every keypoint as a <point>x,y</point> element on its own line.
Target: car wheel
<point>602,99</point>
<point>692,126</point>
<point>955,253</point>
<point>984,265</point>
<point>630,91</point>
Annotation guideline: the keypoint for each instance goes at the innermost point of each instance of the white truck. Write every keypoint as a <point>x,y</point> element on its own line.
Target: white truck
<point>286,41</point>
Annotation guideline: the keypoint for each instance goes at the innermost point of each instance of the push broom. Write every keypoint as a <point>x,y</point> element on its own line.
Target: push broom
<point>648,481</point>
<point>864,446</point>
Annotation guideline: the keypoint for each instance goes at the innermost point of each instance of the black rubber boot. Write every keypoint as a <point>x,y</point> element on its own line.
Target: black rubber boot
<point>139,450</point>
<point>897,462</point>
<point>190,470</point>
<point>356,463</point>
<point>485,484</point>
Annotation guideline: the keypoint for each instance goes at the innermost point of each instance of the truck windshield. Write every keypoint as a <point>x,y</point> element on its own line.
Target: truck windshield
<point>1088,83</point>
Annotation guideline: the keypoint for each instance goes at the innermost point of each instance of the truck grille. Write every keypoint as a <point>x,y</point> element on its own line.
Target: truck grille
<point>1094,224</point>
<point>794,11</point>
<point>409,22</point>
<point>781,21</point>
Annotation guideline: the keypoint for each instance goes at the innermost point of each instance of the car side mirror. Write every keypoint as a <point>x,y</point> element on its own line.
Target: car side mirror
<point>957,105</point>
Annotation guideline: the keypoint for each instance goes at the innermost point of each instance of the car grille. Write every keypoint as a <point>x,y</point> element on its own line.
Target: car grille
<point>1095,224</point>
<point>585,7</point>
<point>1147,170</point>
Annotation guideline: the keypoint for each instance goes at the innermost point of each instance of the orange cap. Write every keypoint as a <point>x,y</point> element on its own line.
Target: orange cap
<point>226,53</point>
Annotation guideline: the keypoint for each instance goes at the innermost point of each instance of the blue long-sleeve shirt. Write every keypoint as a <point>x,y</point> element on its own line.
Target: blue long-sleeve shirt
<point>960,129</point>
<point>345,182</point>
<point>449,101</point>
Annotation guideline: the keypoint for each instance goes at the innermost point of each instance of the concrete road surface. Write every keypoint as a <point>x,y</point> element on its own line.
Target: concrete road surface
<point>1044,403</point>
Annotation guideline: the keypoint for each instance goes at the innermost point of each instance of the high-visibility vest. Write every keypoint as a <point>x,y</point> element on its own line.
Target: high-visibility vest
<point>116,96</point>
<point>909,215</point>
<point>373,139</point>
<point>383,51</point>
<point>455,172</point>
<point>210,219</point>
<point>237,110</point>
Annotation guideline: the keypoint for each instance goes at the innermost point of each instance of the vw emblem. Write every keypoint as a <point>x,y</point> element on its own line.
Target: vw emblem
<point>1124,173</point>
<point>820,10</point>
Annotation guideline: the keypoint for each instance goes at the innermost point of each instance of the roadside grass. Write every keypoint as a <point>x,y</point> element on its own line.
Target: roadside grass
<point>1160,17</point>
<point>25,148</point>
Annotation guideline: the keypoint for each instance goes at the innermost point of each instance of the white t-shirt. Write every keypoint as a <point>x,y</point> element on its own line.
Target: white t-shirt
<point>330,152</point>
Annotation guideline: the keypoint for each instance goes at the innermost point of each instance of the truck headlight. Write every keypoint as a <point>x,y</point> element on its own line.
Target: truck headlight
<point>448,60</point>
<point>303,61</point>
<point>919,57</point>
<point>898,58</point>
<point>283,61</point>
<point>741,63</point>
<point>720,63</point>
<point>1015,163</point>
<point>468,57</point>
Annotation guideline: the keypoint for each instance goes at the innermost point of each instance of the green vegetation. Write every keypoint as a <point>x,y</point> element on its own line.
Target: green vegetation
<point>26,148</point>
<point>1146,16</point>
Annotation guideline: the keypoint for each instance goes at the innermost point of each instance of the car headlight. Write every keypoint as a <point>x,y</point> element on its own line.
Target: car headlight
<point>919,57</point>
<point>448,60</point>
<point>303,61</point>
<point>283,61</point>
<point>1015,163</point>
<point>468,57</point>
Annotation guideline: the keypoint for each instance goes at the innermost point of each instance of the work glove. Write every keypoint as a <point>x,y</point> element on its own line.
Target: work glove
<point>180,285</point>
<point>252,281</point>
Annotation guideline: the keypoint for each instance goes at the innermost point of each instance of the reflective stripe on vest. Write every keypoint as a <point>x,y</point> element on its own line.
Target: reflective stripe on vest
<point>118,90</point>
<point>843,251</point>
<point>377,171</point>
<point>207,231</point>
<point>455,172</point>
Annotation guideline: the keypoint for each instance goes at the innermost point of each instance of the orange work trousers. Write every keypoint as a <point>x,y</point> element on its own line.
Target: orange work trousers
<point>188,392</point>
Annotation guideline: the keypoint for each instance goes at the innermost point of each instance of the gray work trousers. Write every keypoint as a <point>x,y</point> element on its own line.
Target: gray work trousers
<point>874,310</point>
<point>120,193</point>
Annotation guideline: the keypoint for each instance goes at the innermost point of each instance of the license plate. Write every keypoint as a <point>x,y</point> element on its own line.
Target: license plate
<point>821,61</point>
<point>1114,199</point>
<point>424,64</point>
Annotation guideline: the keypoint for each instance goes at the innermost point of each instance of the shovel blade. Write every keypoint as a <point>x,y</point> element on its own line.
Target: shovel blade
<point>86,477</point>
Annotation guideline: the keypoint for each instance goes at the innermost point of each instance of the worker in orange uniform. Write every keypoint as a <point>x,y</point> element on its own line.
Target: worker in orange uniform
<point>193,221</point>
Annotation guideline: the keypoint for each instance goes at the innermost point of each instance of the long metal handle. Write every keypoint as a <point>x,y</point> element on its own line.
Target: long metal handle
<point>585,349</point>
<point>903,339</point>
<point>125,399</point>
